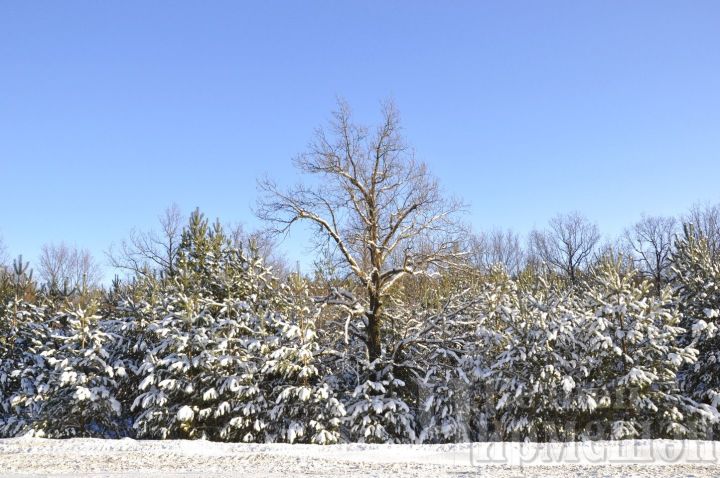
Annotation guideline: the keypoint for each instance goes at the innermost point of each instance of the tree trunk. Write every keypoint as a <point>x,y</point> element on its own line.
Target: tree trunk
<point>373,334</point>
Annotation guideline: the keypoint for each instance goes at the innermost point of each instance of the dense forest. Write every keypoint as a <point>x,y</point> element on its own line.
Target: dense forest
<point>411,327</point>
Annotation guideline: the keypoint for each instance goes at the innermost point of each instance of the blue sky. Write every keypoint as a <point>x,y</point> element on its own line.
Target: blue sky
<point>110,111</point>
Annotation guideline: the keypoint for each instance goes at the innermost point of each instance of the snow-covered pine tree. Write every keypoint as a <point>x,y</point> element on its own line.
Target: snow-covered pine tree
<point>78,398</point>
<point>24,337</point>
<point>634,358</point>
<point>379,411</point>
<point>696,277</point>
<point>453,400</point>
<point>127,319</point>
<point>198,370</point>
<point>447,411</point>
<point>223,359</point>
<point>203,342</point>
<point>305,408</point>
<point>537,371</point>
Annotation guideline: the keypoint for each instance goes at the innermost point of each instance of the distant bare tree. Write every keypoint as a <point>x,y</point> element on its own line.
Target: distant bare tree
<point>497,247</point>
<point>148,252</point>
<point>262,243</point>
<point>3,255</point>
<point>567,246</point>
<point>55,265</point>
<point>65,266</point>
<point>705,219</point>
<point>651,240</point>
<point>375,206</point>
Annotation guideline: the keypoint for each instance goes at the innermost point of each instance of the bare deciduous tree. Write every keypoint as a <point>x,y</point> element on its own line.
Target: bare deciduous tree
<point>65,266</point>
<point>650,241</point>
<point>3,255</point>
<point>496,247</point>
<point>374,205</point>
<point>705,219</point>
<point>567,245</point>
<point>262,243</point>
<point>147,252</point>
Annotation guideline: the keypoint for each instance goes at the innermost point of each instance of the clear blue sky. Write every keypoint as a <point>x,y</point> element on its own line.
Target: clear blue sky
<point>110,111</point>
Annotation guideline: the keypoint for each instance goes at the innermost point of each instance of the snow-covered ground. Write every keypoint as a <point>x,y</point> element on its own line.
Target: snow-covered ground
<point>92,457</point>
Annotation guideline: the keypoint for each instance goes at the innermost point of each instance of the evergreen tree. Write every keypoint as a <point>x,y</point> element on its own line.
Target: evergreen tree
<point>378,411</point>
<point>633,340</point>
<point>696,276</point>
<point>24,348</point>
<point>229,356</point>
<point>448,407</point>
<point>305,408</point>
<point>537,372</point>
<point>79,395</point>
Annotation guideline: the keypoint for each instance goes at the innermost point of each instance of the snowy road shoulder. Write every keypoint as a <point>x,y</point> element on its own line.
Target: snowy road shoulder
<point>94,457</point>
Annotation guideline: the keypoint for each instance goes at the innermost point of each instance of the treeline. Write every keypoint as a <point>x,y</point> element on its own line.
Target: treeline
<point>410,329</point>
